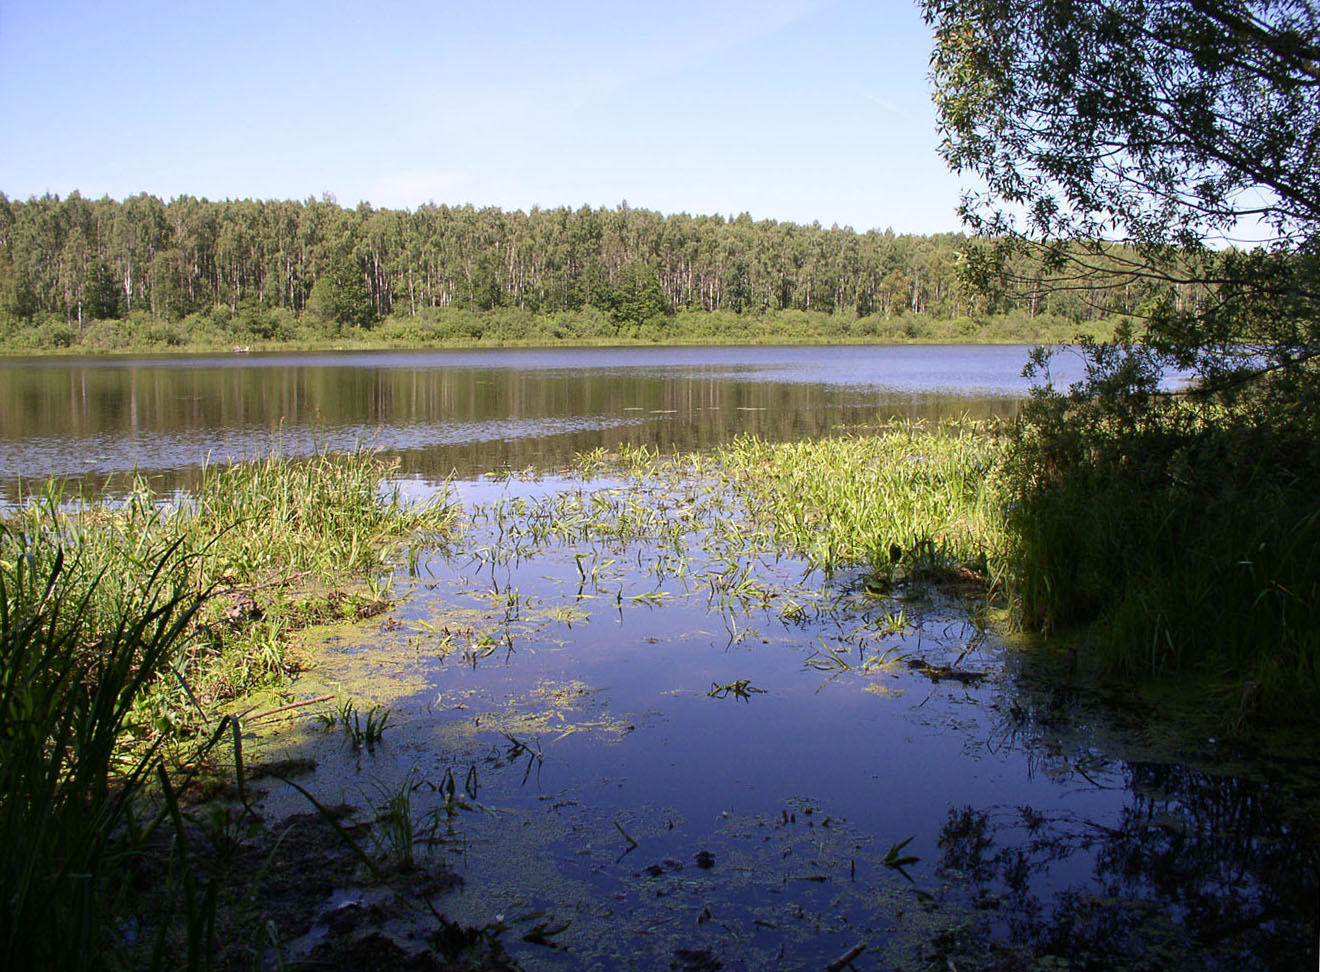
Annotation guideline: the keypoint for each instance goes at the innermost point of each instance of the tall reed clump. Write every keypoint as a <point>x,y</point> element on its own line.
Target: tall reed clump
<point>1185,540</point>
<point>909,492</point>
<point>70,677</point>
<point>328,514</point>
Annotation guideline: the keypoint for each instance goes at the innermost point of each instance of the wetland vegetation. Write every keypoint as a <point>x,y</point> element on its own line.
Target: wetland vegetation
<point>662,677</point>
<point>125,625</point>
<point>981,695</point>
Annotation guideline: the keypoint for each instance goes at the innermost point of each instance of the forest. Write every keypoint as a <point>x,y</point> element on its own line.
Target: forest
<point>106,274</point>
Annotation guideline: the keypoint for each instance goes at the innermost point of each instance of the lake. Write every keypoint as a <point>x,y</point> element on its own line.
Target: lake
<point>697,753</point>
<point>465,413</point>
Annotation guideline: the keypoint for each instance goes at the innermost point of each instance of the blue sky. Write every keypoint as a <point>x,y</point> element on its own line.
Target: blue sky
<point>788,109</point>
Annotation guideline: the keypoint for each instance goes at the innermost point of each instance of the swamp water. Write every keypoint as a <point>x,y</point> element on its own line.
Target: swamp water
<point>645,737</point>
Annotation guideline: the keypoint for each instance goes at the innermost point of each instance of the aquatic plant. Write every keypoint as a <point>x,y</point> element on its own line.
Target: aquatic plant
<point>927,492</point>
<point>262,538</point>
<point>119,623</point>
<point>896,860</point>
<point>71,677</point>
<point>399,828</point>
<point>360,733</point>
<point>1189,543</point>
<point>741,689</point>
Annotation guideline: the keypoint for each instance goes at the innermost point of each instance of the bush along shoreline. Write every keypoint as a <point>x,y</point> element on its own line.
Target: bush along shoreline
<point>223,329</point>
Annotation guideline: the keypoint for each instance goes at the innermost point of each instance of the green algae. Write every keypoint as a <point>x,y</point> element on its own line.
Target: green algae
<point>486,661</point>
<point>549,710</point>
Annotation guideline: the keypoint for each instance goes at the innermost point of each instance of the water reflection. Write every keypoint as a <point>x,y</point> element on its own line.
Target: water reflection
<point>854,792</point>
<point>1200,870</point>
<point>1208,860</point>
<point>464,414</point>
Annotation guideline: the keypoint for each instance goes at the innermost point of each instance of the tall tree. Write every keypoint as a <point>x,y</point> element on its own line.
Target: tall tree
<point>341,295</point>
<point>1173,126</point>
<point>1128,142</point>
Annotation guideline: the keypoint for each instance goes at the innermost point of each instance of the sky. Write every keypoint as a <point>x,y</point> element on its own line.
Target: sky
<point>798,110</point>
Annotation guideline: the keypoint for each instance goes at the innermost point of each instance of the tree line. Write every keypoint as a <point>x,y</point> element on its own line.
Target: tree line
<point>82,260</point>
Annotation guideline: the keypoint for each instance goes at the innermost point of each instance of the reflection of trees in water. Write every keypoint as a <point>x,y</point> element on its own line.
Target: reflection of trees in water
<point>165,421</point>
<point>1201,871</point>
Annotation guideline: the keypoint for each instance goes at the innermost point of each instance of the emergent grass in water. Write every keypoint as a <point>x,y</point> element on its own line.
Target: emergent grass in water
<point>682,719</point>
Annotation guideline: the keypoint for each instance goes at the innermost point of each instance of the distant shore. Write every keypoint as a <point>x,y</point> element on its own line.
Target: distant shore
<point>454,329</point>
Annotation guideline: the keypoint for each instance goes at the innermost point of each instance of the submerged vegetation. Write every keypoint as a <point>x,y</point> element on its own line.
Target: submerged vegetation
<point>1187,551</point>
<point>129,626</point>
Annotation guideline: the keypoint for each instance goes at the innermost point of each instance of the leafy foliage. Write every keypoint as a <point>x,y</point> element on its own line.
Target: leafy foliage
<point>1157,123</point>
<point>1168,127</point>
<point>340,295</point>
<point>249,270</point>
<point>1126,143</point>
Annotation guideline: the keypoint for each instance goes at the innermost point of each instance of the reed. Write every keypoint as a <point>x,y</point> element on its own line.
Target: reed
<point>71,676</point>
<point>1188,546</point>
<point>328,514</point>
<point>908,495</point>
<point>263,536</point>
<point>113,635</point>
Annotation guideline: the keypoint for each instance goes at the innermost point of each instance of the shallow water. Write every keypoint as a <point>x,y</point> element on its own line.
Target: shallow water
<point>703,753</point>
<point>605,716</point>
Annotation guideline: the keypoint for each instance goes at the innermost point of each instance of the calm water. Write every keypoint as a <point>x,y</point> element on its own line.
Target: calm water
<point>707,756</point>
<point>464,412</point>
<point>702,755</point>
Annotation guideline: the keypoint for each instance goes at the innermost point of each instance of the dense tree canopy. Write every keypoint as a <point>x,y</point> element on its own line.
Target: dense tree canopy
<point>78,259</point>
<point>1135,141</point>
<point>1156,122</point>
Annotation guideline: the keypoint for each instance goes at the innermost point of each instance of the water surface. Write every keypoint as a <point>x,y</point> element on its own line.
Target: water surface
<point>705,755</point>
<point>464,413</point>
<point>696,753</point>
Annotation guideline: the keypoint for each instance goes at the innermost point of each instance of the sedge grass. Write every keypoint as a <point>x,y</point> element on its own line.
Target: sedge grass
<point>907,492</point>
<point>1190,550</point>
<point>278,529</point>
<point>111,632</point>
<point>1181,543</point>
<point>69,686</point>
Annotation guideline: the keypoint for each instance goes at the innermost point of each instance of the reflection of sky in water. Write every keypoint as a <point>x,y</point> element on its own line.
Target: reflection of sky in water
<point>863,759</point>
<point>975,368</point>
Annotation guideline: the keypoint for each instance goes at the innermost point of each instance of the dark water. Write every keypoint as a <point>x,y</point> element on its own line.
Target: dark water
<point>703,755</point>
<point>464,412</point>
